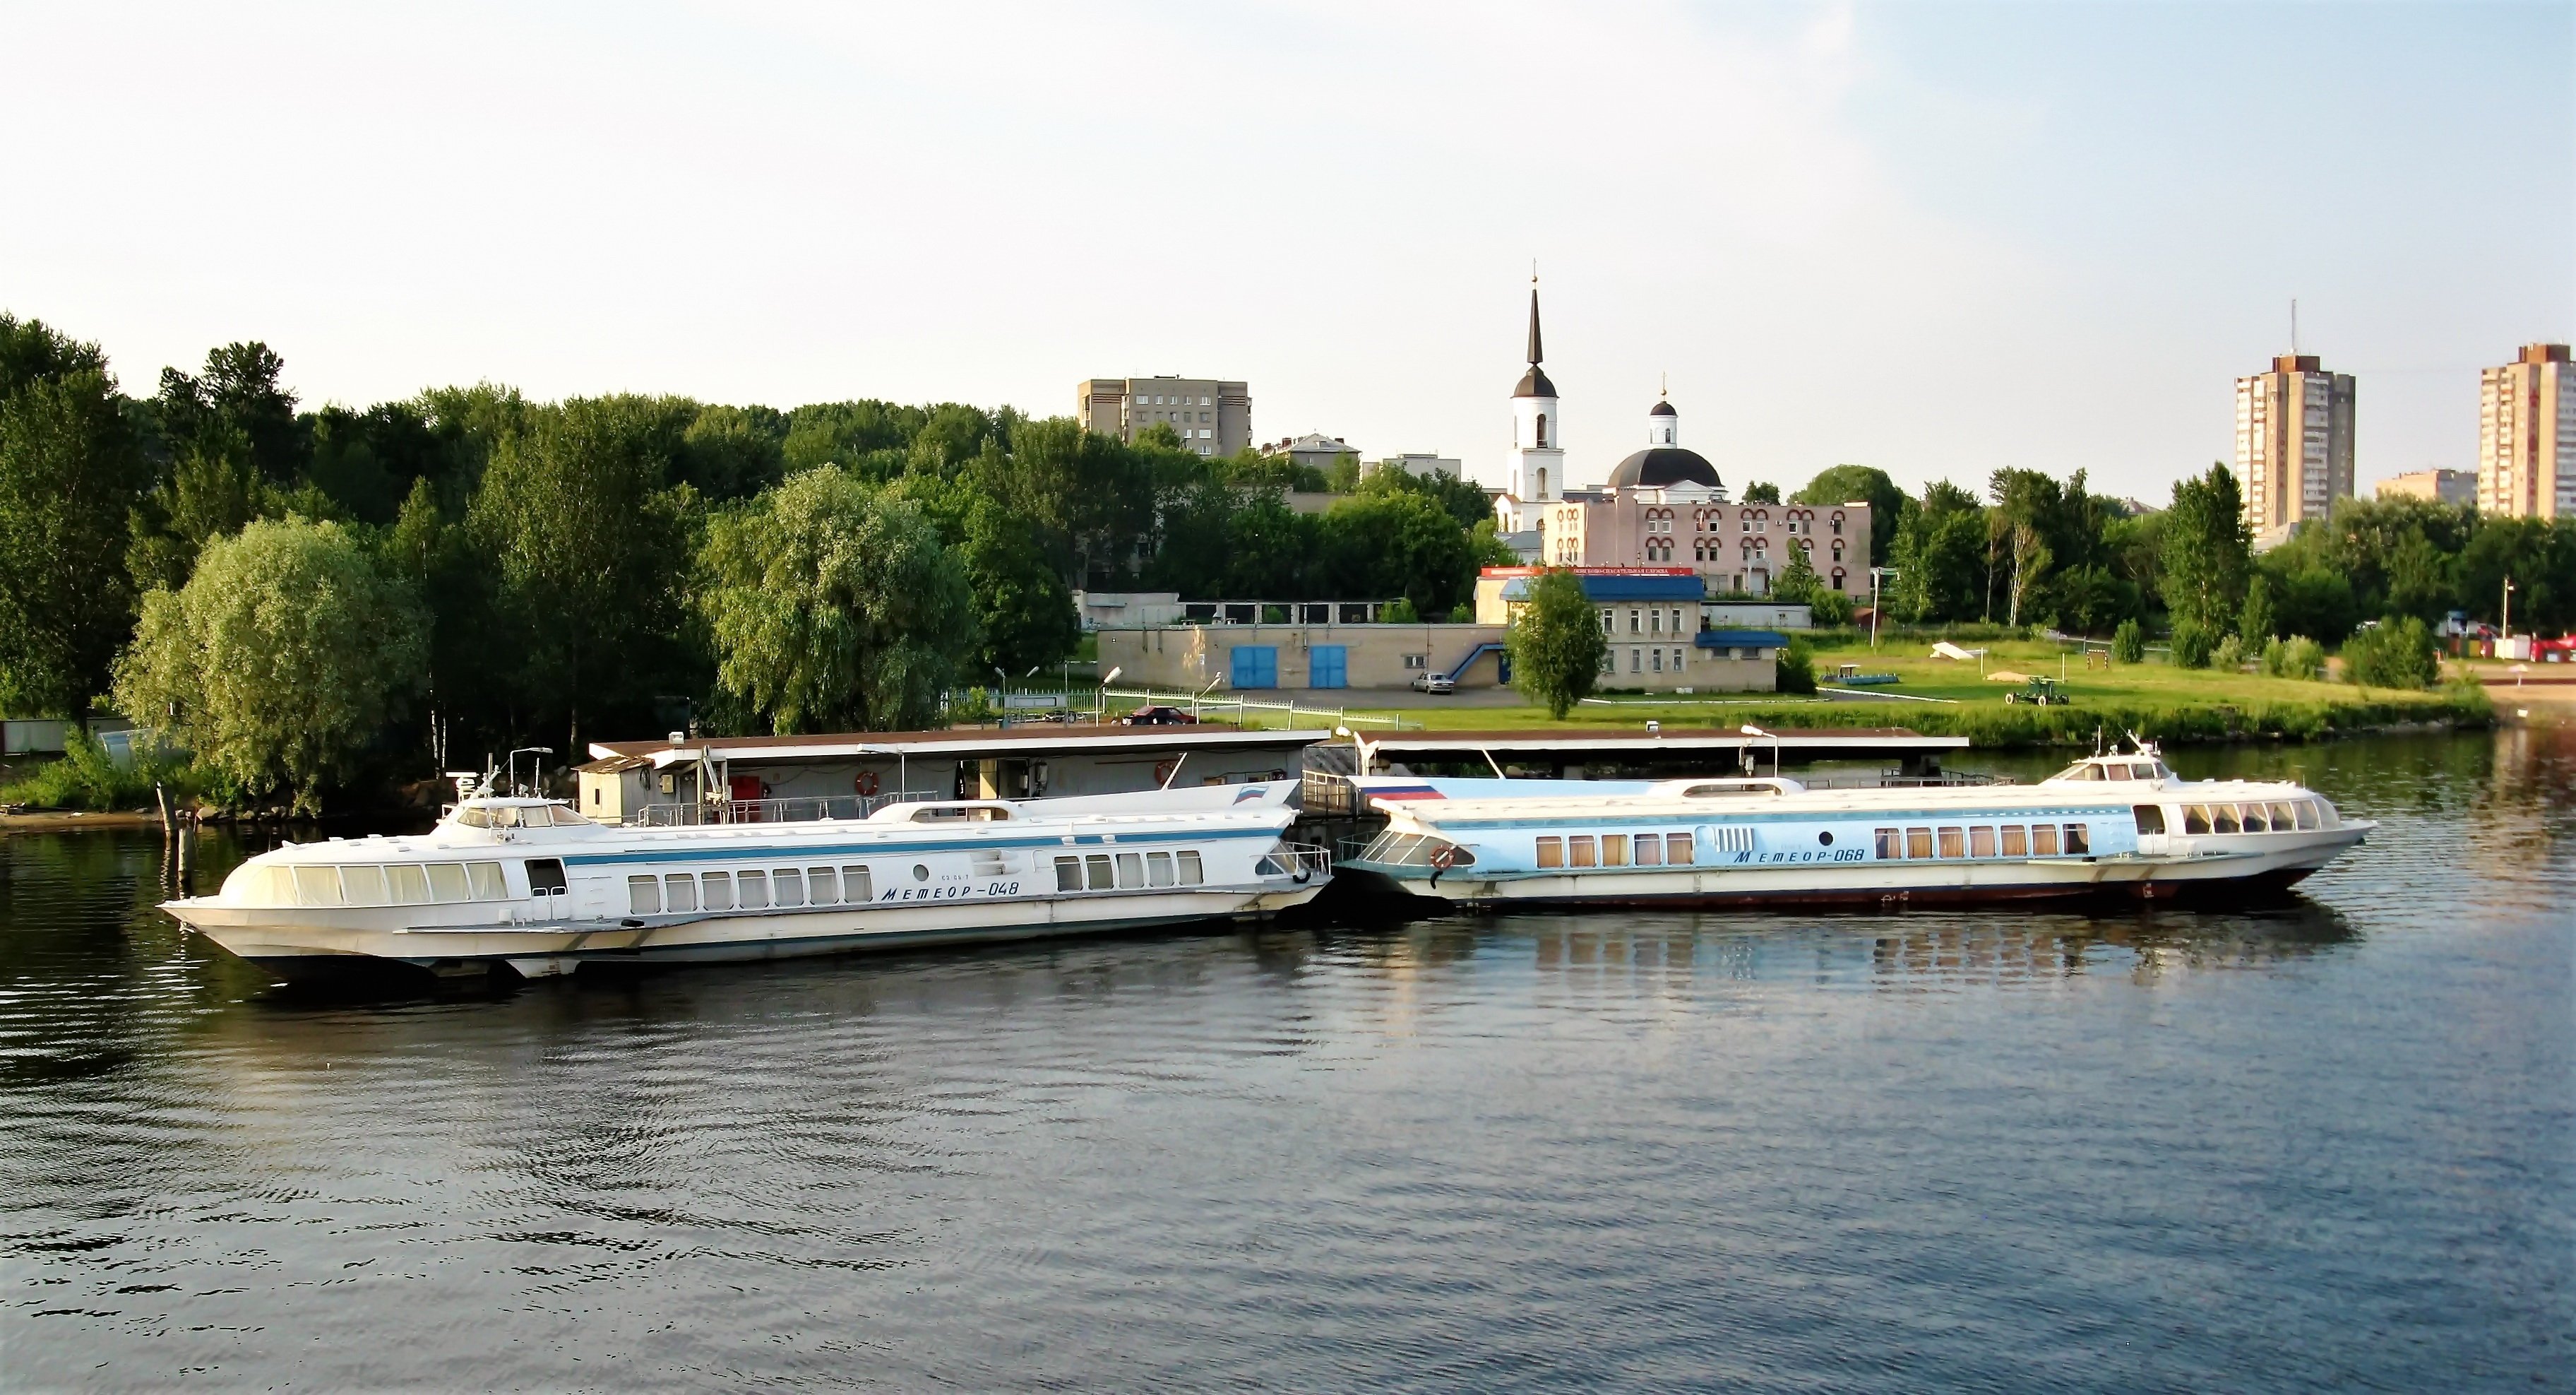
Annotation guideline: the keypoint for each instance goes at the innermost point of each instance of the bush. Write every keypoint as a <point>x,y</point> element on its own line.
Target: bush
<point>1399,611</point>
<point>2229,655</point>
<point>2128,644</point>
<point>1462,614</point>
<point>2297,657</point>
<point>1832,609</point>
<point>86,779</point>
<point>1796,668</point>
<point>2191,645</point>
<point>2394,654</point>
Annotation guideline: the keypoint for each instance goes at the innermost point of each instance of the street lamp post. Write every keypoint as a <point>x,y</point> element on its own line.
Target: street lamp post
<point>2508,608</point>
<point>1875,573</point>
<point>513,763</point>
<point>1100,704</point>
<point>1751,730</point>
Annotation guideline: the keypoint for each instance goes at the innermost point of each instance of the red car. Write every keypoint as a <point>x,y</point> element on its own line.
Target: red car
<point>1158,716</point>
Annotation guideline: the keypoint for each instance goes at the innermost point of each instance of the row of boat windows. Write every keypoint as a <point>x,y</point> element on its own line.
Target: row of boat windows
<point>398,884</point>
<point>1105,872</point>
<point>2269,816</point>
<point>1983,840</point>
<point>751,890</point>
<point>1616,850</point>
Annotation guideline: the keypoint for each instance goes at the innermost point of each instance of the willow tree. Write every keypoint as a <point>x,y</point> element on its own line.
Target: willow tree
<point>284,657</point>
<point>834,606</point>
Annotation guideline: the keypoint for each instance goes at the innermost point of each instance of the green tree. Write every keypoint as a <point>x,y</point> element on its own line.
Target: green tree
<point>1798,583</point>
<point>1389,544</point>
<point>1794,671</point>
<point>212,489</point>
<point>1841,484</point>
<point>2255,621</point>
<point>2207,553</point>
<point>239,391</point>
<point>832,606</point>
<point>1022,608</point>
<point>1939,556</point>
<point>2397,652</point>
<point>2192,644</point>
<point>1759,493</point>
<point>1555,643</point>
<point>70,472</point>
<point>2129,643</point>
<point>280,661</point>
<point>1464,499</point>
<point>584,538</point>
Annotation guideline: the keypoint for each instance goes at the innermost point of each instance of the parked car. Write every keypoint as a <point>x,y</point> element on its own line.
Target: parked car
<point>1157,715</point>
<point>1439,683</point>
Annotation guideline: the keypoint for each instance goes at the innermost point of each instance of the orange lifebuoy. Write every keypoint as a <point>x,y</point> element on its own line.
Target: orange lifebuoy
<point>867,782</point>
<point>1163,773</point>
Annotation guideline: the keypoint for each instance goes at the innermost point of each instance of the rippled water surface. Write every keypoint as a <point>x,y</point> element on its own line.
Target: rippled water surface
<point>2322,1145</point>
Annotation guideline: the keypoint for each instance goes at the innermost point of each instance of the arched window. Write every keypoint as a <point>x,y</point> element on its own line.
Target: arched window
<point>1838,579</point>
<point>1838,550</point>
<point>1838,525</point>
<point>1542,474</point>
<point>1542,431</point>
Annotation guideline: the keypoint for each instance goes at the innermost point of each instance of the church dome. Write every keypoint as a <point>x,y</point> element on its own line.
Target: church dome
<point>1662,409</point>
<point>1659,466</point>
<point>1534,383</point>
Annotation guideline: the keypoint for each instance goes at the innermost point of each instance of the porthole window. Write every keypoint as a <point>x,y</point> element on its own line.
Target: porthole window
<point>920,873</point>
<point>1825,840</point>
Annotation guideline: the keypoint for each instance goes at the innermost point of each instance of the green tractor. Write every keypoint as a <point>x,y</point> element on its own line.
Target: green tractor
<point>2040,692</point>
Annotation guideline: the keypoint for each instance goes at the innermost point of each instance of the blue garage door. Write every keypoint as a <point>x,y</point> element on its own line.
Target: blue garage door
<point>1329,666</point>
<point>1256,666</point>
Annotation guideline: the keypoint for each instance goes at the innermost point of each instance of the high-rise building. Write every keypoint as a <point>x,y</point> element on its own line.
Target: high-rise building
<point>2293,443</point>
<point>2439,486</point>
<point>1212,417</point>
<point>2527,437</point>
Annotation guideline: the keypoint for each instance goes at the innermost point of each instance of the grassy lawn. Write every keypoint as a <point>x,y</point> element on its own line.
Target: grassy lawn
<point>2152,698</point>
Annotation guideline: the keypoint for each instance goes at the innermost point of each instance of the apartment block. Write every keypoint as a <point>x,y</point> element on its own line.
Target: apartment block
<point>2527,436</point>
<point>2440,486</point>
<point>2293,443</point>
<point>1212,417</point>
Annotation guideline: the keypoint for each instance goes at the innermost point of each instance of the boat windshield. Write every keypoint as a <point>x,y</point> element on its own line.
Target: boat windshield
<point>2098,769</point>
<point>519,816</point>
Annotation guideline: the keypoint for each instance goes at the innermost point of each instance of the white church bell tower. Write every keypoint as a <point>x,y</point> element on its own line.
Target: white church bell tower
<point>1538,447</point>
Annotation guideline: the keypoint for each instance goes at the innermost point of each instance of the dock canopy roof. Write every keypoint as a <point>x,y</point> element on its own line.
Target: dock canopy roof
<point>1741,639</point>
<point>1034,740</point>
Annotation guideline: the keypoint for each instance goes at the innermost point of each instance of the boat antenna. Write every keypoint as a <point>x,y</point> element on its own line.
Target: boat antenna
<point>2097,738</point>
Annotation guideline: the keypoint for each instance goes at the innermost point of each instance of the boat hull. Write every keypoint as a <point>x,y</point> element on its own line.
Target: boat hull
<point>343,943</point>
<point>2197,878</point>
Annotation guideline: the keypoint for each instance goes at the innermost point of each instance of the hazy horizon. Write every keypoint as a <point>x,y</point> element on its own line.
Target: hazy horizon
<point>1937,238</point>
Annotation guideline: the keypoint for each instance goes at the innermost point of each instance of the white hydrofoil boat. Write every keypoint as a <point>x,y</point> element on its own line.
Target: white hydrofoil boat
<point>2119,824</point>
<point>532,884</point>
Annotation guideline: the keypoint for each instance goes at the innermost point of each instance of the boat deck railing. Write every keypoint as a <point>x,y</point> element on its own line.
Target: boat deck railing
<point>1312,858</point>
<point>807,809</point>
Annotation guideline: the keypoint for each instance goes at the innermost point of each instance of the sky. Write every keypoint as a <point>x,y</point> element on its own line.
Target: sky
<point>1938,238</point>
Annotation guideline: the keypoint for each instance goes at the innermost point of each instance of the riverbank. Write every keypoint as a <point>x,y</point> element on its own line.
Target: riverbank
<point>1955,697</point>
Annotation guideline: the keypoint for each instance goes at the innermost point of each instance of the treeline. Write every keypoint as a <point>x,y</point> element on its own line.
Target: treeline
<point>2036,551</point>
<point>315,598</point>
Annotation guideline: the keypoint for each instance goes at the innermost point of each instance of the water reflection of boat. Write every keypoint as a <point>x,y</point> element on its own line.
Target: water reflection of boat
<point>2109,825</point>
<point>533,885</point>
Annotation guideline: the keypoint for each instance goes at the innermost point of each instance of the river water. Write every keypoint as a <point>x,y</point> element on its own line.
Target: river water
<point>2327,1145</point>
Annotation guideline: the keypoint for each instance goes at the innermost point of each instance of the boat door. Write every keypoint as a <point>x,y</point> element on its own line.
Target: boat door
<point>548,895</point>
<point>2151,830</point>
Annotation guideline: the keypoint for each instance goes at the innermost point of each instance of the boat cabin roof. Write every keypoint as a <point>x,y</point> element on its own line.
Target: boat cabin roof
<point>507,811</point>
<point>2130,767</point>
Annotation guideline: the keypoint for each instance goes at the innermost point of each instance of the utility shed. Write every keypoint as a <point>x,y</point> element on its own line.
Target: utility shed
<point>772,778</point>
